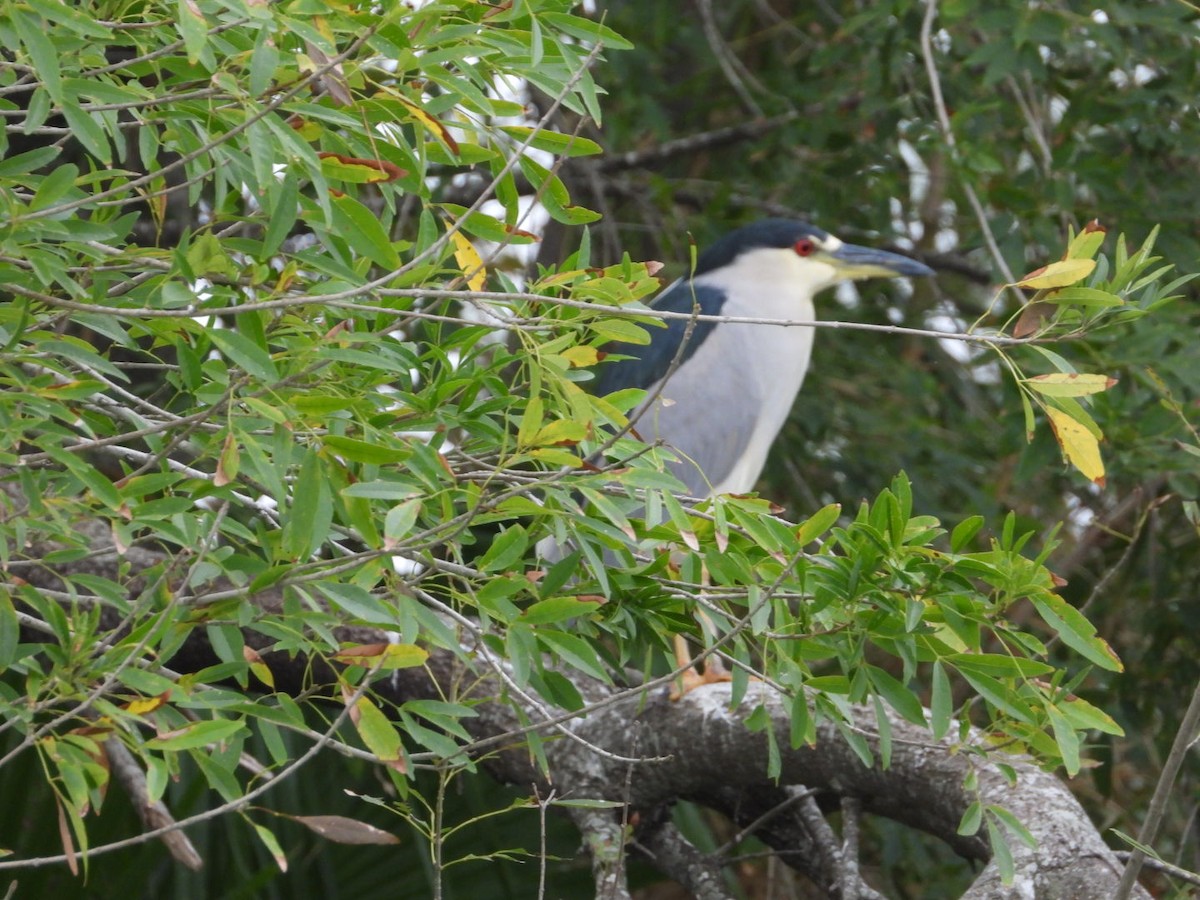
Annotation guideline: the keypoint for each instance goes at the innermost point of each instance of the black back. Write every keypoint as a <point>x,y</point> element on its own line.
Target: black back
<point>650,362</point>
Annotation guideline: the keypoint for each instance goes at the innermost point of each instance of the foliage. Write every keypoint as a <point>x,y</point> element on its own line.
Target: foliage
<point>1062,113</point>
<point>246,341</point>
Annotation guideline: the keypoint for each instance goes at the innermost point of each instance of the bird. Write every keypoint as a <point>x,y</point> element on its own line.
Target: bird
<point>718,393</point>
<point>719,400</point>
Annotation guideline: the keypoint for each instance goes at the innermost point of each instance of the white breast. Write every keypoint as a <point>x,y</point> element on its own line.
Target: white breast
<point>744,377</point>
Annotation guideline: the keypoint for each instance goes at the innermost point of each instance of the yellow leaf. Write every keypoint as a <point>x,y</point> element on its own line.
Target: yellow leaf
<point>560,432</point>
<point>440,131</point>
<point>1079,445</point>
<point>1064,384</point>
<point>469,261</point>
<point>581,356</point>
<point>145,705</point>
<point>1058,274</point>
<point>1085,244</point>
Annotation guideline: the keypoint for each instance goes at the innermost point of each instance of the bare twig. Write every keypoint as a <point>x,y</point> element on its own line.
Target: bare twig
<point>736,74</point>
<point>943,117</point>
<point>685,146</point>
<point>1171,871</point>
<point>1189,732</point>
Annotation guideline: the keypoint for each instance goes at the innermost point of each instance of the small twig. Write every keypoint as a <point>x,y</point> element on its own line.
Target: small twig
<point>735,73</point>
<point>1168,869</point>
<point>943,117</point>
<point>686,146</point>
<point>1189,732</point>
<point>543,857</point>
<point>779,808</point>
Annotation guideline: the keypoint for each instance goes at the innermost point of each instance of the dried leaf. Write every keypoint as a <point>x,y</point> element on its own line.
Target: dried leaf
<point>343,830</point>
<point>359,170</point>
<point>1031,319</point>
<point>385,656</point>
<point>440,131</point>
<point>258,667</point>
<point>227,463</point>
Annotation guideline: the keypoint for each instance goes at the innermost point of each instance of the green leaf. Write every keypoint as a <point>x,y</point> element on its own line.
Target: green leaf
<point>400,520</point>
<point>804,727</point>
<point>10,631</point>
<point>63,13</point>
<point>365,451</point>
<point>971,820</point>
<point>1001,854</point>
<point>554,195</point>
<point>941,704</point>
<point>54,186</point>
<point>999,665</point>
<point>568,145</point>
<point>89,132</point>
<point>358,227</point>
<point>574,651</point>
<point>1013,824</point>
<point>34,34</point>
<point>587,30</point>
<point>307,522</point>
<point>884,727</point>
<point>964,531</point>
<point>1000,696</point>
<point>557,609</point>
<point>198,734</point>
<point>377,731</point>
<point>282,214</point>
<point>244,353</point>
<point>899,697</point>
<point>506,550</point>
<point>1084,296</point>
<point>381,490</point>
<point>271,842</point>
<point>818,523</point>
<point>31,160</point>
<point>1076,631</point>
<point>1084,716</point>
<point>193,28</point>
<point>359,603</point>
<point>1067,740</point>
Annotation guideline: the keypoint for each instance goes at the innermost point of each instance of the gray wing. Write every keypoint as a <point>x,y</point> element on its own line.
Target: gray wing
<point>707,414</point>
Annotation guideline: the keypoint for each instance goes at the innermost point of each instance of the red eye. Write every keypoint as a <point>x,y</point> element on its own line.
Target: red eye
<point>805,247</point>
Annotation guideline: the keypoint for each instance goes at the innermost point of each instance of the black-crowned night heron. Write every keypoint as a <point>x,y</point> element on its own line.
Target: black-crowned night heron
<point>719,401</point>
<point>734,384</point>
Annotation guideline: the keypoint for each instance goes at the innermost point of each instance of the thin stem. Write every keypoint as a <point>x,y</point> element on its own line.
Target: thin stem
<point>1185,738</point>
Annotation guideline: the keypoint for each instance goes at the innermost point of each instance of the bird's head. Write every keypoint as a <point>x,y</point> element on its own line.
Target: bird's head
<point>800,256</point>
